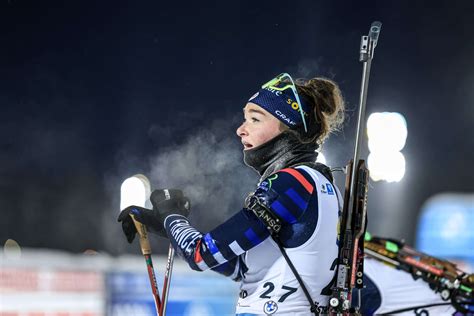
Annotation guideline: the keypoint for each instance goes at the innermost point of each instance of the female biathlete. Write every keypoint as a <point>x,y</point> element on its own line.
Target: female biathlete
<point>295,205</point>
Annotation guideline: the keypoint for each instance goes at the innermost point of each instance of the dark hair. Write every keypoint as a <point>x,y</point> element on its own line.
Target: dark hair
<point>325,98</point>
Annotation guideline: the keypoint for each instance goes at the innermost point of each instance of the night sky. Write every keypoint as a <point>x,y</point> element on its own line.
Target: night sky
<point>93,92</point>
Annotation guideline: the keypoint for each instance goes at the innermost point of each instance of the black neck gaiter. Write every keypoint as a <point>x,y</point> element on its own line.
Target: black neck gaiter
<point>283,151</point>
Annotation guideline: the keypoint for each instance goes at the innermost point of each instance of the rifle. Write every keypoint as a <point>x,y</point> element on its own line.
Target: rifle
<point>443,276</point>
<point>349,271</point>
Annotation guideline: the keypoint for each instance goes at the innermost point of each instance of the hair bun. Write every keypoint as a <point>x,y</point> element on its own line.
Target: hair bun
<point>324,89</point>
<point>326,98</point>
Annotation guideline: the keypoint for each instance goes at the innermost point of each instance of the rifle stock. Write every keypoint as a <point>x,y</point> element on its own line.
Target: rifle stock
<point>349,274</point>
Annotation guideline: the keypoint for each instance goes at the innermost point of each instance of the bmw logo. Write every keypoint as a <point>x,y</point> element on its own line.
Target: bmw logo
<point>270,307</point>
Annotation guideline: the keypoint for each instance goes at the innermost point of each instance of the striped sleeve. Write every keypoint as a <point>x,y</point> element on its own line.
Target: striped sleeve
<point>218,248</point>
<point>234,269</point>
<point>287,194</point>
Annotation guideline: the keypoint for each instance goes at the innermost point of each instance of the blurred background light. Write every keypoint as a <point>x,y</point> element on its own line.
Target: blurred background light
<point>11,249</point>
<point>386,131</point>
<point>387,166</point>
<point>387,134</point>
<point>321,158</point>
<point>445,227</point>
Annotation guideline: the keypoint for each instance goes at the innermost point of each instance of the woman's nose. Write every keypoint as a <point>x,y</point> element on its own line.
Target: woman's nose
<point>241,130</point>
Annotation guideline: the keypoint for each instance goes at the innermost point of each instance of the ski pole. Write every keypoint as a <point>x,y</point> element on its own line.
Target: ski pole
<point>146,251</point>
<point>134,191</point>
<point>167,280</point>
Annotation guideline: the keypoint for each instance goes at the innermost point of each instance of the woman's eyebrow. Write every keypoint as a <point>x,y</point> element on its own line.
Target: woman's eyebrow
<point>255,111</point>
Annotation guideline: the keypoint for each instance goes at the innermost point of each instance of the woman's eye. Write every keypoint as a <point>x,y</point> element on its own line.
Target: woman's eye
<point>255,119</point>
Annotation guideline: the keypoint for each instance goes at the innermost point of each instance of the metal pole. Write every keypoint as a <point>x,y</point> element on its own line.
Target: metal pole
<point>167,280</point>
<point>367,46</point>
<point>146,251</point>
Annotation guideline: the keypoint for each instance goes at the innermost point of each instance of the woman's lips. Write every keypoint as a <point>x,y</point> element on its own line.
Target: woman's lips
<point>247,145</point>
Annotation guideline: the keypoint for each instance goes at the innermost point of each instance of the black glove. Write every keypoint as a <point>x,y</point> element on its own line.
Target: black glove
<point>165,202</point>
<point>145,216</point>
<point>170,201</point>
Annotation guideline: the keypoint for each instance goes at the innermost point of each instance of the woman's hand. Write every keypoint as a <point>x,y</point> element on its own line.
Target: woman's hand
<point>170,201</point>
<point>165,202</point>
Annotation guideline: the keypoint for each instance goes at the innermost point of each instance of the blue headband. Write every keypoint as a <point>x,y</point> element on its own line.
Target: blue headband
<point>282,105</point>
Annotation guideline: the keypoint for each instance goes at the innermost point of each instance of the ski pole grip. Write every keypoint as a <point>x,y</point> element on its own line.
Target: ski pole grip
<point>143,237</point>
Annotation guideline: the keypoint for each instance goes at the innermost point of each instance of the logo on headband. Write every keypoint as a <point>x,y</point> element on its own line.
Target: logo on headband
<point>295,106</point>
<point>280,104</point>
<point>274,91</point>
<point>253,97</point>
<point>285,118</point>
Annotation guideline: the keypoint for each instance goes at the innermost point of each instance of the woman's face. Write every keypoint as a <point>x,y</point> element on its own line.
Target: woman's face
<point>258,127</point>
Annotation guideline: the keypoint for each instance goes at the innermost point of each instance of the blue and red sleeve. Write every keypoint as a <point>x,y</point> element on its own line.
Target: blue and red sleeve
<point>288,193</point>
<point>229,240</point>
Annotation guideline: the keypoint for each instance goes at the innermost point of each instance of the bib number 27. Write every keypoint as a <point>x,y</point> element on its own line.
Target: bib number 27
<point>270,287</point>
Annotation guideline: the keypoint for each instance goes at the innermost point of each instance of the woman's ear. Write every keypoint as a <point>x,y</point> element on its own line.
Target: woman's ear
<point>283,127</point>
